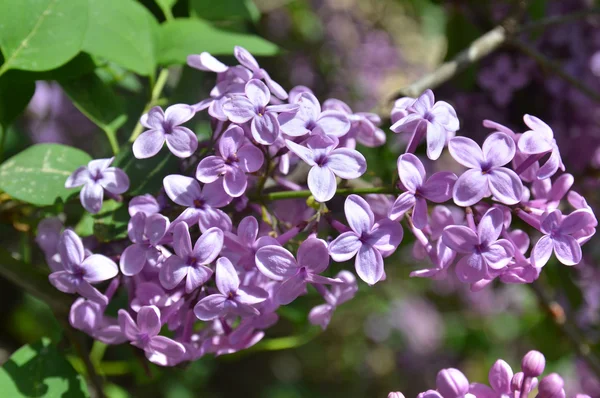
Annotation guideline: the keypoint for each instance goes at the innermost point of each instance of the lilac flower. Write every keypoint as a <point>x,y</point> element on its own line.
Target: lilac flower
<point>310,120</point>
<point>81,270</point>
<point>191,264</point>
<point>146,232</point>
<point>202,203</point>
<point>279,264</point>
<point>438,119</point>
<point>484,252</point>
<point>500,377</point>
<point>367,240</point>
<point>452,383</point>
<point>340,293</point>
<point>551,386</point>
<point>144,334</point>
<point>233,299</point>
<point>539,141</point>
<point>328,162</point>
<point>241,247</point>
<point>438,189</point>
<point>485,175</point>
<point>166,126</point>
<point>363,124</point>
<point>237,157</point>
<point>96,178</point>
<point>558,236</point>
<point>254,106</point>
<point>146,204</point>
<point>246,59</point>
<point>88,316</point>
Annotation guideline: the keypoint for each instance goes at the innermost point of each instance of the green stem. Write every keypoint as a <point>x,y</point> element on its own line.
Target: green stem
<point>3,134</point>
<point>112,139</point>
<point>157,89</point>
<point>344,192</point>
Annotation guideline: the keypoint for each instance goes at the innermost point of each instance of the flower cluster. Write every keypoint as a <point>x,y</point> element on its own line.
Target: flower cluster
<point>212,275</point>
<point>503,382</point>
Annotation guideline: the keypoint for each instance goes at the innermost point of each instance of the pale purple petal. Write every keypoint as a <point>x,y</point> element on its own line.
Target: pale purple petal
<point>541,252</point>
<point>498,149</point>
<point>210,169</point>
<point>196,277</point>
<point>182,242</point>
<point>239,109</point>
<point>551,166</point>
<point>170,349</point>
<point>466,152</point>
<point>145,204</point>
<point>530,142</point>
<point>172,272</point>
<point>148,144</point>
<point>153,119</point>
<point>91,196</point>
<point>276,262</point>
<point>411,171</point>
<point>128,325</point>
<point>304,153</point>
<point>470,188</point>
<point>506,186</point>
<point>78,178</point>
<point>369,264</point>
<point>265,128</point>
<point>247,230</point>
<point>114,180</point>
<point>133,259</point>
<point>490,226</point>
<point>438,188</point>
<point>401,205</point>
<point>344,247</point>
<point>359,214</point>
<point>63,281</point>
<point>210,307</point>
<point>436,140</point>
<point>539,126</point>
<point>97,166</point>
<point>386,235</point>
<point>470,268</point>
<point>208,246</point>
<point>148,320</point>
<point>482,391</point>
<point>498,254</point>
<point>99,268</point>
<point>500,377</point>
<point>251,295</point>
<point>250,158</point>
<point>235,182</point>
<point>214,218</point>
<point>551,221</point>
<point>156,227</point>
<point>182,142</point>
<point>182,190</point>
<point>245,58</point>
<point>71,249</point>
<point>567,250</point>
<point>84,289</point>
<point>292,125</point>
<point>206,62</point>
<point>333,123</point>
<point>347,163</point>
<point>419,215</point>
<point>313,255</point>
<point>322,183</point>
<point>215,196</point>
<point>178,114</point>
<point>258,93</point>
<point>227,278</point>
<point>460,238</point>
<point>576,221</point>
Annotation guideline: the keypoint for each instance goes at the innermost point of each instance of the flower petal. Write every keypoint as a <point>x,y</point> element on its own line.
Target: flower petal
<point>210,169</point>
<point>258,93</point>
<point>148,144</point>
<point>265,128</point>
<point>369,264</point>
<point>386,235</point>
<point>419,215</point>
<point>227,278</point>
<point>210,307</point>
<point>178,114</point>
<point>208,246</point>
<point>490,226</point>
<point>250,158</point>
<point>114,180</point>
<point>235,182</point>
<point>531,143</point>
<point>238,109</point>
<point>460,238</point>
<point>347,163</point>
<point>411,172</point>
<point>436,140</point>
<point>333,123</point>
<point>359,214</point>
<point>172,272</point>
<point>196,277</point>
<point>344,247</point>
<point>498,254</point>
<point>276,262</point>
<point>401,205</point>
<point>182,242</point>
<point>78,178</point>
<point>541,252</point>
<point>91,197</point>
<point>133,260</point>
<point>506,186</point>
<point>182,190</point>
<point>99,268</point>
<point>438,188</point>
<point>567,250</point>
<point>466,152</point>
<point>499,149</point>
<point>322,183</point>
<point>313,255</point>
<point>290,290</point>
<point>148,320</point>
<point>470,188</point>
<point>182,142</point>
<point>470,268</point>
<point>71,249</point>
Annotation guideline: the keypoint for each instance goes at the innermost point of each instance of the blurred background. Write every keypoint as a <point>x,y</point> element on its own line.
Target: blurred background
<point>398,334</point>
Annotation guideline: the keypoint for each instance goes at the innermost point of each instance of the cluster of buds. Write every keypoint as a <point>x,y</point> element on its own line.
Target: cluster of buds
<point>213,276</point>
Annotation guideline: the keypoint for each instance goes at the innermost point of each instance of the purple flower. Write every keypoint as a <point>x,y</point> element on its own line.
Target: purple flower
<point>88,316</point>
<point>500,377</point>
<point>166,126</point>
<point>144,334</point>
<point>279,264</point>
<point>246,59</point>
<point>237,157</point>
<point>81,270</point>
<point>483,250</point>
<point>146,204</point>
<point>486,175</point>
<point>340,293</point>
<point>191,264</point>
<point>558,236</point>
<point>310,120</point>
<point>254,106</point>
<point>242,246</point>
<point>551,386</point>
<point>233,299</point>
<point>96,178</point>
<point>438,189</point>
<point>452,383</point>
<point>366,241</point>
<point>363,124</point>
<point>328,162</point>
<point>437,118</point>
<point>202,203</point>
<point>540,141</point>
<point>146,232</point>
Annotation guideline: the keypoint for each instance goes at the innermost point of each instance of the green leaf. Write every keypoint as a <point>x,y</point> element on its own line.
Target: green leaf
<point>166,6</point>
<point>224,9</point>
<point>124,32</point>
<point>96,100</point>
<point>182,37</point>
<point>40,35</point>
<point>146,175</point>
<point>109,224</point>
<point>38,174</point>
<point>39,370</point>
<point>80,65</point>
<point>14,97</point>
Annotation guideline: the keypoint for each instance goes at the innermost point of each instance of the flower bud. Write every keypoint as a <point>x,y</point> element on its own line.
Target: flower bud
<point>396,394</point>
<point>533,363</point>
<point>517,381</point>
<point>551,386</point>
<point>452,383</point>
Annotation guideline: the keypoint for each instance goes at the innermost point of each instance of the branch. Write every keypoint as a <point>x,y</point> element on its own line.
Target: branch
<point>567,326</point>
<point>281,195</point>
<point>555,68</point>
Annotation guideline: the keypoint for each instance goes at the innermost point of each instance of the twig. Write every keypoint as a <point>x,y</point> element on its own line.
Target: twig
<point>558,19</point>
<point>567,326</point>
<point>555,68</point>
<point>281,195</point>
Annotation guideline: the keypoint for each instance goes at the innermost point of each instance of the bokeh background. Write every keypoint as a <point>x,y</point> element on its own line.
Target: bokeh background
<point>399,333</point>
